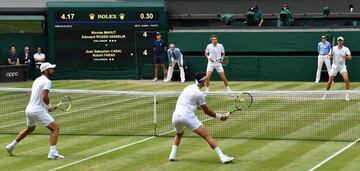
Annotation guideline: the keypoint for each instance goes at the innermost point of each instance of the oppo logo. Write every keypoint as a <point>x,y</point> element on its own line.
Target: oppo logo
<point>12,74</point>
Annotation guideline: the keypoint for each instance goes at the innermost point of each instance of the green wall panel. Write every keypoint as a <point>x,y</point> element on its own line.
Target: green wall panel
<point>20,40</point>
<point>264,68</point>
<point>260,41</point>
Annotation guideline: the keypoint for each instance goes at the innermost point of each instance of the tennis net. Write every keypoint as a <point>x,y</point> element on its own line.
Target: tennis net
<point>298,115</point>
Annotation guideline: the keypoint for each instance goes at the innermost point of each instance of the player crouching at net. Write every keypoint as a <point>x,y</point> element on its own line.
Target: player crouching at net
<point>184,116</point>
<point>37,112</point>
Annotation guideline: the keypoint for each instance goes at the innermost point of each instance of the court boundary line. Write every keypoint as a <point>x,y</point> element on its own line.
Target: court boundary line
<point>334,155</point>
<point>117,148</point>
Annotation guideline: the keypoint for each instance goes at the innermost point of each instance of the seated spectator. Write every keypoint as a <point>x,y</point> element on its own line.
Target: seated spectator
<point>26,57</point>
<point>13,58</point>
<point>285,17</point>
<point>39,58</point>
<point>254,17</point>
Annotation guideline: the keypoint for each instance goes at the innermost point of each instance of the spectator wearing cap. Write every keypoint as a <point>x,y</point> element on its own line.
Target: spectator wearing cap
<point>159,47</point>
<point>13,57</point>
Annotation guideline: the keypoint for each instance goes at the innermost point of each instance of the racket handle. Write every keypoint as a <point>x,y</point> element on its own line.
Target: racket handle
<point>228,114</point>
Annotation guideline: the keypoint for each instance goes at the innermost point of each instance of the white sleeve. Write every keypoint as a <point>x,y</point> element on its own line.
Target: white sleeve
<point>47,85</point>
<point>201,99</point>
<point>347,51</point>
<point>222,49</point>
<point>207,49</point>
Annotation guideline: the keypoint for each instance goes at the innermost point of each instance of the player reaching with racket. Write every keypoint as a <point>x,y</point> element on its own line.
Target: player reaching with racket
<point>215,52</point>
<point>37,112</point>
<point>184,116</point>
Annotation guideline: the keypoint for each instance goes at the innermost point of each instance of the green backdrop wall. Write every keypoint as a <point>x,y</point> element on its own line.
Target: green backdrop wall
<point>20,40</point>
<point>261,40</point>
<point>266,67</point>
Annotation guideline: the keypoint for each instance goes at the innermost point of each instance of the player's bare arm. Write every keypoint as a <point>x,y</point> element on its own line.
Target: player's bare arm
<point>211,113</point>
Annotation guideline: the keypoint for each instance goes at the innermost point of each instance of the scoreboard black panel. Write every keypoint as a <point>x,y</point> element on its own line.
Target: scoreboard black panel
<point>103,38</point>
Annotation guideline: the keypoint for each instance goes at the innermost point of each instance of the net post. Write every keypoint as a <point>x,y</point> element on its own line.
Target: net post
<point>155,114</point>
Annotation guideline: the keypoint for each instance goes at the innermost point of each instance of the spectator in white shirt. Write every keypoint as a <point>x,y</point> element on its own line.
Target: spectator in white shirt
<point>39,57</point>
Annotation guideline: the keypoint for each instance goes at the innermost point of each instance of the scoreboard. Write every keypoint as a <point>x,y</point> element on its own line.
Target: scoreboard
<point>104,37</point>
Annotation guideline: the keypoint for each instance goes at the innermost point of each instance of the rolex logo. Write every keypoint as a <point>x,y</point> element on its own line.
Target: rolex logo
<point>92,16</point>
<point>122,16</point>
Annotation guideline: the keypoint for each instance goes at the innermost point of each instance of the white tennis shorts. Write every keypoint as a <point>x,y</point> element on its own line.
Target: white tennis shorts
<point>43,118</point>
<point>335,69</point>
<point>180,122</point>
<point>218,67</point>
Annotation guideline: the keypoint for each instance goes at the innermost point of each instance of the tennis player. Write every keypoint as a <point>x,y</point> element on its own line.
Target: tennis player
<point>214,52</point>
<point>324,49</point>
<point>37,112</point>
<point>184,116</point>
<point>340,54</point>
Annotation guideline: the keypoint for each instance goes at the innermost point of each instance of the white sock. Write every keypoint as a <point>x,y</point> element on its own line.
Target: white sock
<point>218,152</point>
<point>53,148</point>
<point>173,151</point>
<point>227,87</point>
<point>14,143</point>
<point>207,89</point>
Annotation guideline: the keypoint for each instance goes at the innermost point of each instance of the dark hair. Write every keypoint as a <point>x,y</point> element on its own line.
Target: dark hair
<point>199,76</point>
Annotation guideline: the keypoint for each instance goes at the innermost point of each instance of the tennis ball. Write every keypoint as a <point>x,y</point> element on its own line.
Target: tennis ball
<point>242,100</point>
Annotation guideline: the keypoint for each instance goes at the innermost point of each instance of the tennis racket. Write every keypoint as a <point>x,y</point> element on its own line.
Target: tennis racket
<point>242,102</point>
<point>64,104</point>
<point>225,60</point>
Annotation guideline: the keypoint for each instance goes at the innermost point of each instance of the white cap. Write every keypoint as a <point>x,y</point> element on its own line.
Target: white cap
<point>45,66</point>
<point>340,38</point>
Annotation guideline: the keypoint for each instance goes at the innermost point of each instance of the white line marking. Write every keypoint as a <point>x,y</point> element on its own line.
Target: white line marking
<point>115,149</point>
<point>334,155</point>
<point>65,113</point>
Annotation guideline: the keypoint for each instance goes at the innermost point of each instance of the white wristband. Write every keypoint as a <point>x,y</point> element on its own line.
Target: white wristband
<point>218,116</point>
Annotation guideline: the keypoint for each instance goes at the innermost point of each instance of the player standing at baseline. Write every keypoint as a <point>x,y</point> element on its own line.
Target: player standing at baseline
<point>339,54</point>
<point>215,52</point>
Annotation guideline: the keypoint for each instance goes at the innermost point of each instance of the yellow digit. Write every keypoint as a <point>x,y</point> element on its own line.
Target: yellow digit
<point>145,34</point>
<point>63,16</point>
<point>145,52</point>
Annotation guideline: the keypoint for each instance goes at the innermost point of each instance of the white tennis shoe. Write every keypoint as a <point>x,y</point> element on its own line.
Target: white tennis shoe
<point>172,157</point>
<point>54,155</point>
<point>347,96</point>
<point>324,97</point>
<point>155,79</point>
<point>226,159</point>
<point>10,149</point>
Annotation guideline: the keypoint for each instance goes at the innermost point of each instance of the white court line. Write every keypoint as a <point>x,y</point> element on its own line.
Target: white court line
<point>73,101</point>
<point>115,149</point>
<point>65,113</point>
<point>334,155</point>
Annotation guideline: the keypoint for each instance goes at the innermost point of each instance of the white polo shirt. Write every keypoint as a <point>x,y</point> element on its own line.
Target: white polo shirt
<point>36,103</point>
<point>338,60</point>
<point>39,56</point>
<point>215,51</point>
<point>189,100</point>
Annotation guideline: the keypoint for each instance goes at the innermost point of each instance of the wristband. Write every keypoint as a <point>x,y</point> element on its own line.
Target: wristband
<point>218,116</point>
